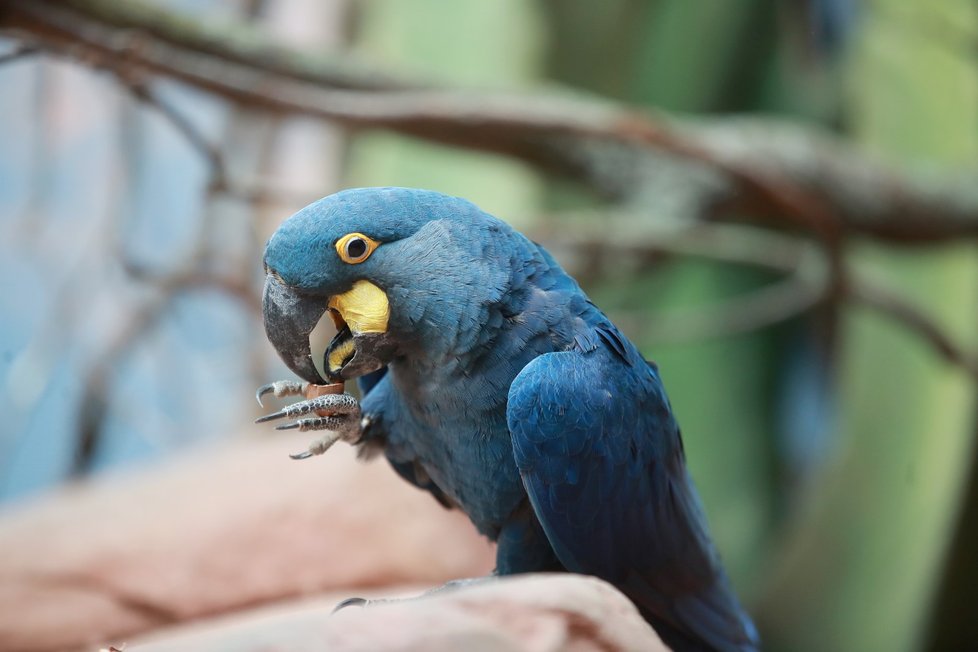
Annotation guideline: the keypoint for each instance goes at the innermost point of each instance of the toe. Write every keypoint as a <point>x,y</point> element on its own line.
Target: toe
<point>351,602</point>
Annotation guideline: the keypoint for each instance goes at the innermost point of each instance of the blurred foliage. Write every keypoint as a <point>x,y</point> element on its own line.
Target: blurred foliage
<point>869,561</point>
<point>838,542</point>
<point>646,52</point>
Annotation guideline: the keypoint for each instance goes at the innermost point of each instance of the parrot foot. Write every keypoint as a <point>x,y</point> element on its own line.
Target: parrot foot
<point>337,413</point>
<point>319,446</point>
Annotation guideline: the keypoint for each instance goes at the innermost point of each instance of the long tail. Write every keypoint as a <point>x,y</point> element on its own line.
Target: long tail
<point>709,620</point>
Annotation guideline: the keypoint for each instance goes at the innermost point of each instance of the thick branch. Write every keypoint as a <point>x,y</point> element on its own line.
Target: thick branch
<point>799,177</point>
<point>237,42</point>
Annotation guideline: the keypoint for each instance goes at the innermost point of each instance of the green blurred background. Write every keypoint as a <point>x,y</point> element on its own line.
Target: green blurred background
<point>838,542</point>
<point>834,450</point>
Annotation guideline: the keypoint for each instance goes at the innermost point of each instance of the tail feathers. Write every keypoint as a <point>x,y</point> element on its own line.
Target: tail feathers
<point>710,620</point>
<point>721,624</point>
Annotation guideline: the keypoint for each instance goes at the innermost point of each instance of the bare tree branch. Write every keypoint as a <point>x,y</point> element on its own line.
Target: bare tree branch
<point>140,321</point>
<point>790,175</point>
<point>20,52</point>
<point>805,283</point>
<point>211,154</point>
<point>795,176</point>
<point>892,305</point>
<point>767,306</point>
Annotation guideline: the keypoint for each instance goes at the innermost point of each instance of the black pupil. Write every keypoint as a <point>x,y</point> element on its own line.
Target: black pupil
<point>356,247</point>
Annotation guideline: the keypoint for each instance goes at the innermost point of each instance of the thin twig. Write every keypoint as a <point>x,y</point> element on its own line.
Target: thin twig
<point>806,280</point>
<point>731,243</point>
<point>141,320</point>
<point>890,304</point>
<point>193,279</point>
<point>211,154</point>
<point>95,399</point>
<point>20,52</point>
<point>262,193</point>
<point>753,311</point>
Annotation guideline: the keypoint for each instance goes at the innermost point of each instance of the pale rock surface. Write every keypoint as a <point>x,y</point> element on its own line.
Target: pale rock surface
<point>531,613</point>
<point>221,530</point>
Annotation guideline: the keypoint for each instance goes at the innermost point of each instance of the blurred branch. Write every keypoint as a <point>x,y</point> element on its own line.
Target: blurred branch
<point>215,161</point>
<point>94,401</point>
<point>767,306</point>
<point>140,321</point>
<point>18,53</point>
<point>806,279</point>
<point>729,243</point>
<point>789,174</point>
<point>890,304</point>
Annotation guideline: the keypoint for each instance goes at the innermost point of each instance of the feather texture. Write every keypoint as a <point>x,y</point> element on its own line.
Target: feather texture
<point>512,397</point>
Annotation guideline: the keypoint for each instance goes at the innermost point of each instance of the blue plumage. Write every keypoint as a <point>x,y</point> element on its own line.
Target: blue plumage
<point>507,393</point>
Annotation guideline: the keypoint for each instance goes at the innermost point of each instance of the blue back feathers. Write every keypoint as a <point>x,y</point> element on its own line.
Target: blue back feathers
<point>513,397</point>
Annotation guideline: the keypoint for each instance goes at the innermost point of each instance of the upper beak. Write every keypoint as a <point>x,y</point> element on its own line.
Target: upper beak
<point>289,319</point>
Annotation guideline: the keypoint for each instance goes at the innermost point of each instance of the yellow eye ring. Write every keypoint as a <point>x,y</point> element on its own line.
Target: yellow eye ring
<point>355,248</point>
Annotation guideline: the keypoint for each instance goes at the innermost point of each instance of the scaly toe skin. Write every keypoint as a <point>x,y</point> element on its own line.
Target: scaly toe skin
<point>342,423</point>
<point>345,427</point>
<point>327,405</point>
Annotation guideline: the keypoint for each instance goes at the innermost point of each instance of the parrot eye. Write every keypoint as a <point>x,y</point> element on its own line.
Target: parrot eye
<point>355,248</point>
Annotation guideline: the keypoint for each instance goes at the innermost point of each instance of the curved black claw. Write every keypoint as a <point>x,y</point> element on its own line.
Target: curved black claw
<point>264,389</point>
<point>272,416</point>
<point>350,602</point>
<point>295,425</point>
<point>305,455</point>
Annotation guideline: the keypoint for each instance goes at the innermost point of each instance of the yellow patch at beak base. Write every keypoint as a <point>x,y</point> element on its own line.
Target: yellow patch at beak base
<point>364,308</point>
<point>339,355</point>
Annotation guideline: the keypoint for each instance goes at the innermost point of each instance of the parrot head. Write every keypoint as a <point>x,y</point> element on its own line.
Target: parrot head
<point>374,259</point>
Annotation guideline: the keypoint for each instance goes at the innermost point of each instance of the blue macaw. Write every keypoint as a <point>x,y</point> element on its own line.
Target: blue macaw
<point>490,380</point>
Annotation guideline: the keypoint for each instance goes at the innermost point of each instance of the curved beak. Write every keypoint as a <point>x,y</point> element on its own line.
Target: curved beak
<point>289,319</point>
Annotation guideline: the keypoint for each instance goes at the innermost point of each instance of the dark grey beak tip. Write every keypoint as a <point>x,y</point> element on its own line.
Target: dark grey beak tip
<point>289,319</point>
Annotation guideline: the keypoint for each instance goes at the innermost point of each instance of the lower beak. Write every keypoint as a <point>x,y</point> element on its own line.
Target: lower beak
<point>289,319</point>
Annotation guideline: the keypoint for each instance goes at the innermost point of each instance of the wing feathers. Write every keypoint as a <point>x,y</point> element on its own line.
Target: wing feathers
<point>601,459</point>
